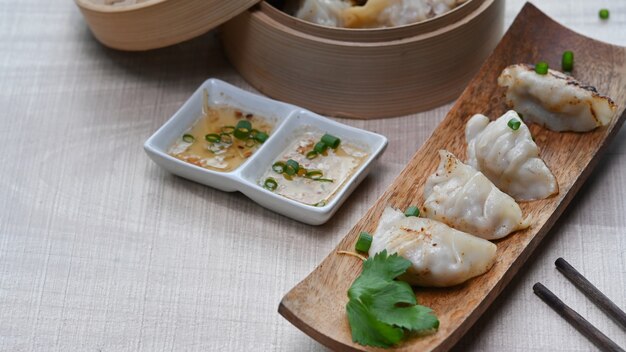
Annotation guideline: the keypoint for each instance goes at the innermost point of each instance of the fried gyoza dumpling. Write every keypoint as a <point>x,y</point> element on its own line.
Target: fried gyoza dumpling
<point>440,255</point>
<point>509,157</point>
<point>555,100</point>
<point>462,197</point>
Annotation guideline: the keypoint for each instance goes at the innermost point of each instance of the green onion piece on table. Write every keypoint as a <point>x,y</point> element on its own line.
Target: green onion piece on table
<point>311,155</point>
<point>412,211</point>
<point>261,137</point>
<point>567,63</point>
<point>212,138</point>
<point>364,242</point>
<point>270,184</point>
<point>331,140</point>
<point>541,67</point>
<point>278,167</point>
<point>320,147</point>
<point>604,14</point>
<point>514,124</point>
<point>188,138</point>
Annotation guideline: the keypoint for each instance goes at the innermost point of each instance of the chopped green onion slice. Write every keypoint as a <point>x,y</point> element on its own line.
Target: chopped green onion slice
<point>315,174</point>
<point>261,137</point>
<point>604,14</point>
<point>320,147</point>
<point>331,140</point>
<point>321,203</point>
<point>514,124</point>
<point>244,124</point>
<point>364,242</point>
<point>270,184</point>
<point>412,211</point>
<point>228,129</point>
<point>226,138</point>
<point>188,138</point>
<point>212,138</point>
<point>293,165</point>
<point>321,179</point>
<point>250,143</point>
<point>241,133</point>
<point>278,167</point>
<point>567,63</point>
<point>541,67</point>
<point>311,155</point>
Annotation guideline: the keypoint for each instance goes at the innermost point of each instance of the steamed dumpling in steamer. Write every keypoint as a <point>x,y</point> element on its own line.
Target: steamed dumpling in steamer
<point>555,100</point>
<point>508,157</point>
<point>440,255</point>
<point>325,12</point>
<point>371,14</point>
<point>463,198</point>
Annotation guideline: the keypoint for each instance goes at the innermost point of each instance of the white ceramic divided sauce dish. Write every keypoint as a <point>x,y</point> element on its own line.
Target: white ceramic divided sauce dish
<point>287,120</point>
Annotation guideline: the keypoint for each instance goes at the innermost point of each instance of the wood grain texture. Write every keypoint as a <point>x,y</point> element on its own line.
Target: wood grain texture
<point>403,72</point>
<point>101,250</point>
<point>316,305</point>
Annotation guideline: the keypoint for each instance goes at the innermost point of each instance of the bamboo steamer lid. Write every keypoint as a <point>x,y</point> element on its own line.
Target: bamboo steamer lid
<point>155,24</point>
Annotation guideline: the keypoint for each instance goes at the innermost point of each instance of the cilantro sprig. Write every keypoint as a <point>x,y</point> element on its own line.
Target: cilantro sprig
<point>382,310</point>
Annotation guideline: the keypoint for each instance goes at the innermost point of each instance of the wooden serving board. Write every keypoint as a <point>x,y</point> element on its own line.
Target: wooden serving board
<point>317,304</point>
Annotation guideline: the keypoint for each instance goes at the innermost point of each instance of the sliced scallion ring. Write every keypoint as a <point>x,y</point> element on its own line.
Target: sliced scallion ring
<point>567,62</point>
<point>412,211</point>
<point>212,138</point>
<point>320,147</point>
<point>270,184</point>
<point>278,167</point>
<point>311,155</point>
<point>364,242</point>
<point>188,138</point>
<point>314,174</point>
<point>292,167</point>
<point>261,137</point>
<point>541,67</point>
<point>244,124</point>
<point>514,124</point>
<point>331,140</point>
<point>241,133</point>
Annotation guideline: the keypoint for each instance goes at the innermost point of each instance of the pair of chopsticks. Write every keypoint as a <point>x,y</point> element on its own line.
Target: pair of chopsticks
<point>571,316</point>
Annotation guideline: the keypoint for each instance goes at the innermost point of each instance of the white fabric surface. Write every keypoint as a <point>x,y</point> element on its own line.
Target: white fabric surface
<point>101,250</point>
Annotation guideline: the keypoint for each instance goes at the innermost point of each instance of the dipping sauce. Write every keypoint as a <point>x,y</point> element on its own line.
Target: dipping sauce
<point>222,139</point>
<point>319,176</point>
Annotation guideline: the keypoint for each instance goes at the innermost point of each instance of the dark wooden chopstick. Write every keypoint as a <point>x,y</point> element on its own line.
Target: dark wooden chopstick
<point>576,320</point>
<point>597,297</point>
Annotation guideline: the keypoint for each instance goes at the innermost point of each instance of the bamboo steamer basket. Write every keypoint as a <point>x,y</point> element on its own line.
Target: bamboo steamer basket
<point>363,73</point>
<point>157,23</point>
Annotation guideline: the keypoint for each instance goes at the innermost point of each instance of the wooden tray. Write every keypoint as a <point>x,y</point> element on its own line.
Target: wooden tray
<point>317,304</point>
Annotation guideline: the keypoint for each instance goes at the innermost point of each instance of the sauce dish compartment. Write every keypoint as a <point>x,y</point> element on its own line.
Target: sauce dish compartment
<point>288,120</point>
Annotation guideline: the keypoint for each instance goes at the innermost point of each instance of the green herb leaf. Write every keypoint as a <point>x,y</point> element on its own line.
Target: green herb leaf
<point>381,310</point>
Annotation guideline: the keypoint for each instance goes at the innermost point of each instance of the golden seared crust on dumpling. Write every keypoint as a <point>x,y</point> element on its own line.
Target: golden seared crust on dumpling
<point>440,256</point>
<point>555,100</point>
